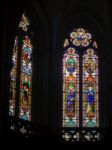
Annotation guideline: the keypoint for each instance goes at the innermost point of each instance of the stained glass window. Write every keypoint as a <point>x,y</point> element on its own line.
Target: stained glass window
<point>80,37</point>
<point>90,89</point>
<point>80,80</point>
<point>24,23</point>
<point>71,88</point>
<point>21,73</point>
<point>13,76</point>
<point>26,80</point>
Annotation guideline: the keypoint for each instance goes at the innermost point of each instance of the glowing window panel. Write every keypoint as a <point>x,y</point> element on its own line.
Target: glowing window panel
<point>80,84</point>
<point>90,89</point>
<point>80,37</point>
<point>26,80</point>
<point>13,76</point>
<point>70,88</point>
<point>24,23</point>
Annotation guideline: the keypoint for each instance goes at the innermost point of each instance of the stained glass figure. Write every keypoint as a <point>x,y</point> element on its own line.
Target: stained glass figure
<point>90,89</point>
<point>80,85</point>
<point>26,80</point>
<point>70,88</point>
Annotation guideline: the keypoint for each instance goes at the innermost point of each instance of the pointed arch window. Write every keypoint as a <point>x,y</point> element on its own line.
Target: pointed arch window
<point>80,81</point>
<point>90,89</point>
<point>21,72</point>
<point>71,88</point>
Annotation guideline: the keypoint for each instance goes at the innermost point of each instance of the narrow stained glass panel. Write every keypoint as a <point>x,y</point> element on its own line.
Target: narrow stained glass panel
<point>13,75</point>
<point>26,80</point>
<point>90,89</point>
<point>70,88</point>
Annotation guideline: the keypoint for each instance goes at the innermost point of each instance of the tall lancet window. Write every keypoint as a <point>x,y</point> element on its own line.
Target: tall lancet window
<point>71,88</point>
<point>21,73</point>
<point>90,89</point>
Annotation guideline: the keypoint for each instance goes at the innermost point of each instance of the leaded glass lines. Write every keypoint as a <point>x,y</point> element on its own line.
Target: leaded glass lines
<point>71,88</point>
<point>21,73</point>
<point>90,89</point>
<point>80,80</point>
<point>13,77</point>
<point>26,80</point>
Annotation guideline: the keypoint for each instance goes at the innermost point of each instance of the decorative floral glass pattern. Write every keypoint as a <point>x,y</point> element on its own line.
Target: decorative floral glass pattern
<point>80,37</point>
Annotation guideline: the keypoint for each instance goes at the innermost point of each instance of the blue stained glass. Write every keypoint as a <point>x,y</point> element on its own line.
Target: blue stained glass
<point>26,68</point>
<point>90,96</point>
<point>72,69</point>
<point>71,96</point>
<point>79,38</point>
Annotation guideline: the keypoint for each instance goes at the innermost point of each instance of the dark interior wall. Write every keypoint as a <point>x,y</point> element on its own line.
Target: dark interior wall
<point>51,19</point>
<point>110,70</point>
